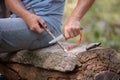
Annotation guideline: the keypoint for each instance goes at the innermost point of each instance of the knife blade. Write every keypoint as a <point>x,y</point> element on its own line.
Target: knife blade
<point>57,39</point>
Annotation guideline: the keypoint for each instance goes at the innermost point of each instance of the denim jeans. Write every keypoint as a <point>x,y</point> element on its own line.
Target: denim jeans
<point>15,35</point>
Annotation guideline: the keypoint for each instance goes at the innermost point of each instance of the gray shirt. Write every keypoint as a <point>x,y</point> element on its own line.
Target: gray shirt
<point>50,10</point>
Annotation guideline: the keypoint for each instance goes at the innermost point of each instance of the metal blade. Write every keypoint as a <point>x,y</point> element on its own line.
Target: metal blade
<point>56,39</point>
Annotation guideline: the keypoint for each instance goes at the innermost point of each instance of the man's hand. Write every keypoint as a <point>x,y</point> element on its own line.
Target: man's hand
<point>72,28</point>
<point>35,23</point>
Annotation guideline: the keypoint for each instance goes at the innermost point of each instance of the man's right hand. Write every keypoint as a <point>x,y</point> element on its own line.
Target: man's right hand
<point>35,23</point>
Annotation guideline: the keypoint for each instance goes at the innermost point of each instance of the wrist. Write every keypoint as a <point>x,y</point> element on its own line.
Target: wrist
<point>25,14</point>
<point>75,18</point>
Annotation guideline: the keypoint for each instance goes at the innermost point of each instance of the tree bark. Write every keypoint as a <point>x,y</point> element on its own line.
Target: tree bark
<point>96,64</point>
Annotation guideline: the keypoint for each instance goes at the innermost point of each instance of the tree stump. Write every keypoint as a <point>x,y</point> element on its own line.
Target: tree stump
<point>54,64</point>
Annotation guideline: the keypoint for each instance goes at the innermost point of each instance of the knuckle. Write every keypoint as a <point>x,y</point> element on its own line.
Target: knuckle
<point>43,23</point>
<point>77,27</point>
<point>73,35</point>
<point>40,31</point>
<point>38,17</point>
<point>32,28</point>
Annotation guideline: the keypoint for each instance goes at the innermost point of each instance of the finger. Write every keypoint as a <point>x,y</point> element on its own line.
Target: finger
<point>74,32</point>
<point>67,36</point>
<point>36,28</point>
<point>77,30</point>
<point>32,29</point>
<point>42,22</point>
<point>39,29</point>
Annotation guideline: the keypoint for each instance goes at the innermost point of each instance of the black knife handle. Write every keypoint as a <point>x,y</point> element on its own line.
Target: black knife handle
<point>93,45</point>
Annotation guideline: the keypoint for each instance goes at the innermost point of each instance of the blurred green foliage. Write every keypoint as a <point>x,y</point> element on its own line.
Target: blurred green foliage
<point>101,23</point>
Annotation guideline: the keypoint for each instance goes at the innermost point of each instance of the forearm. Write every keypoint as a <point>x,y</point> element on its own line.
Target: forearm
<point>16,7</point>
<point>81,8</point>
<point>72,27</point>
